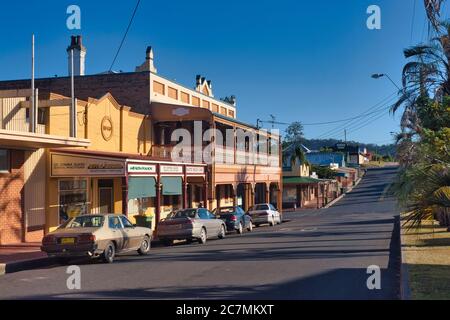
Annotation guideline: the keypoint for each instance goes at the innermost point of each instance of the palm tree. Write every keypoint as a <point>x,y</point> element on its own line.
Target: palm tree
<point>427,72</point>
<point>298,155</point>
<point>423,183</point>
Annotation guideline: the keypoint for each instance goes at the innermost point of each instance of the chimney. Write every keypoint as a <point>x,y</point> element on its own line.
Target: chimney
<point>198,80</point>
<point>148,65</point>
<point>79,56</point>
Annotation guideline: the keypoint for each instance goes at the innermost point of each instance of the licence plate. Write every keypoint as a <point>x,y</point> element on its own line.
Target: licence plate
<point>68,241</point>
<point>175,227</point>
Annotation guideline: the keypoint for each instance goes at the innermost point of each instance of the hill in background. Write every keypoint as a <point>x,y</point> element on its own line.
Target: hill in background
<point>317,144</point>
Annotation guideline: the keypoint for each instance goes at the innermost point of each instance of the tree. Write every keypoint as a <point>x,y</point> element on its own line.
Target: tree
<point>294,133</point>
<point>323,172</point>
<point>423,183</point>
<point>298,155</point>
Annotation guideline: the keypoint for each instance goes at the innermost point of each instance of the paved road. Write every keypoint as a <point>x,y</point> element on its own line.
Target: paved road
<point>317,254</point>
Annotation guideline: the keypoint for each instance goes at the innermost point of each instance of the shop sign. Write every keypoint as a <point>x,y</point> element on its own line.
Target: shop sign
<point>76,166</point>
<point>171,169</point>
<point>195,170</point>
<point>141,168</point>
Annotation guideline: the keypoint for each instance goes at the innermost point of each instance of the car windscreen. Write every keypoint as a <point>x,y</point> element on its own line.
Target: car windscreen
<point>85,222</point>
<point>188,213</point>
<point>261,207</point>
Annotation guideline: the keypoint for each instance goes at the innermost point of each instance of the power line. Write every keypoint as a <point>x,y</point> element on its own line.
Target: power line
<point>370,121</point>
<point>368,112</point>
<point>376,106</point>
<point>413,20</point>
<point>125,35</point>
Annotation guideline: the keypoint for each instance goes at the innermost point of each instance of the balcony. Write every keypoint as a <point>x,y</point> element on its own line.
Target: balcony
<point>223,155</point>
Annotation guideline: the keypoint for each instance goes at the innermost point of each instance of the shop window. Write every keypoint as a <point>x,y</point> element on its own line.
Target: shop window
<point>4,160</point>
<point>72,198</point>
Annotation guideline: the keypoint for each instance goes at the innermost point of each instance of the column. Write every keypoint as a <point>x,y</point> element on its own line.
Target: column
<point>252,194</point>
<point>299,196</point>
<point>158,206</point>
<point>206,203</point>
<point>235,197</point>
<point>318,196</point>
<point>268,192</point>
<point>185,194</point>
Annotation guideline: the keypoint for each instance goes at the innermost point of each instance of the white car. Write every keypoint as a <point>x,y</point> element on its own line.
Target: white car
<point>264,213</point>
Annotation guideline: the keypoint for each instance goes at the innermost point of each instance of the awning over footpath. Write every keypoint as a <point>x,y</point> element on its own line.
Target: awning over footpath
<point>27,140</point>
<point>300,180</point>
<point>141,187</point>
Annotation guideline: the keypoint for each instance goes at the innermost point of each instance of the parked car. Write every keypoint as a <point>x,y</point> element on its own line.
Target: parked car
<point>265,213</point>
<point>96,235</point>
<point>191,224</point>
<point>235,218</point>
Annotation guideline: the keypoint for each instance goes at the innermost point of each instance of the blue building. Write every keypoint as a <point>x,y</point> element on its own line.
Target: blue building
<point>326,158</point>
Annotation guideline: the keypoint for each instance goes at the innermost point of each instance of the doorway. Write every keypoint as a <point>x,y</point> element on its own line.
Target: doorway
<point>106,195</point>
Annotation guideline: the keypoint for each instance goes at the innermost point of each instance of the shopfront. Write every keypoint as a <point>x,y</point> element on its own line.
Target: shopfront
<point>82,184</point>
<point>86,182</point>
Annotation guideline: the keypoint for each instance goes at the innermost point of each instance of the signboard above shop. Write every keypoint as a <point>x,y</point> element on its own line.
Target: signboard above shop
<point>137,168</point>
<point>67,165</point>
<point>171,169</point>
<point>195,170</point>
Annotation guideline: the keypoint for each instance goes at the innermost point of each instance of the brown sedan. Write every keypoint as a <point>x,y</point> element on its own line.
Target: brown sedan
<point>96,235</point>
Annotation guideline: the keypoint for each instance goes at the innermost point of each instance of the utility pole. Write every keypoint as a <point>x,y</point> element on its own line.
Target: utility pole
<point>73,108</point>
<point>32,97</point>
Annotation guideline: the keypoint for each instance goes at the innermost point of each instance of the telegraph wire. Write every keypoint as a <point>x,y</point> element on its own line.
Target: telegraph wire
<point>125,35</point>
<point>379,107</point>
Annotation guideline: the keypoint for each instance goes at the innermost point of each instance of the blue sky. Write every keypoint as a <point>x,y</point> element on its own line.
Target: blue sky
<point>305,61</point>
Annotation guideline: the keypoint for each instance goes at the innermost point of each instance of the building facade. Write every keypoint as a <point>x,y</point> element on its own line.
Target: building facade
<point>123,157</point>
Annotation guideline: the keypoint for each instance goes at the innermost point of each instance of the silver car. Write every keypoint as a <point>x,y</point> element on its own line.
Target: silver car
<point>191,224</point>
<point>265,213</point>
<point>96,235</point>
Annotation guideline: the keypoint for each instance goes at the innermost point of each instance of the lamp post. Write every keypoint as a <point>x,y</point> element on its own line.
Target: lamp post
<point>381,75</point>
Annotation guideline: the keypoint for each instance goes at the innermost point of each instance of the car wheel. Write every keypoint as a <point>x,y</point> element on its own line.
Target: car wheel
<point>239,230</point>
<point>167,242</point>
<point>272,222</point>
<point>250,227</point>
<point>109,253</point>
<point>202,239</point>
<point>222,232</point>
<point>145,246</point>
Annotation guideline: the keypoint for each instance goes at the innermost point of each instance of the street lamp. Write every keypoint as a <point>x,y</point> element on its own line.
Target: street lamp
<point>381,75</point>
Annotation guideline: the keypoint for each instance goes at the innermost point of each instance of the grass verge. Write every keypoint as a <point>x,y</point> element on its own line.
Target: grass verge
<point>426,251</point>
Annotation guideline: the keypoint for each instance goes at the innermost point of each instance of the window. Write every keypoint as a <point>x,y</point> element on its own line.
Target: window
<point>173,93</point>
<point>87,221</point>
<point>159,87</point>
<point>72,199</point>
<point>4,160</point>
<point>126,223</point>
<point>114,223</point>
<point>185,97</point>
<point>203,214</point>
<point>196,101</point>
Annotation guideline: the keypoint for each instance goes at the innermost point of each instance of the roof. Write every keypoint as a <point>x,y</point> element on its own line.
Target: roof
<point>221,116</point>
<point>325,158</point>
<point>300,180</point>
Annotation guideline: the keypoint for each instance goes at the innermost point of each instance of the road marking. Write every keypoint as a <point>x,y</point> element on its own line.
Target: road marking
<point>308,229</point>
